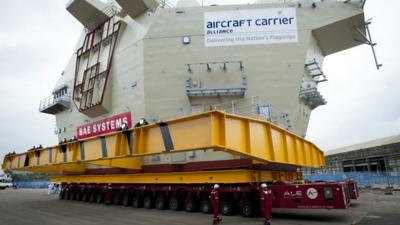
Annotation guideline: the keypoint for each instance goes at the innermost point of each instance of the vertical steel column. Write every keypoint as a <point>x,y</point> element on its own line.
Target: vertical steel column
<point>368,165</point>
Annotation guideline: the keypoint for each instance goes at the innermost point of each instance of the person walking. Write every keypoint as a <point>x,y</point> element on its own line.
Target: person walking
<point>214,197</point>
<point>266,198</point>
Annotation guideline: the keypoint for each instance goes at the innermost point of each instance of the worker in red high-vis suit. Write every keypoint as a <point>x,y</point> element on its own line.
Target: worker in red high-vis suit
<point>266,197</point>
<point>214,197</point>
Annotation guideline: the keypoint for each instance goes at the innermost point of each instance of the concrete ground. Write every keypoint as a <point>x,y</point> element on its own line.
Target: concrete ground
<point>35,207</point>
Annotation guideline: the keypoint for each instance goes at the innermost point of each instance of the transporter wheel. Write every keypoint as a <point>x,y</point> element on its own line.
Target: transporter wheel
<point>92,197</point>
<point>148,202</point>
<point>248,209</point>
<point>174,204</point>
<point>68,195</point>
<point>85,196</point>
<point>79,195</point>
<point>137,202</point>
<point>61,196</point>
<point>116,200</point>
<point>190,205</point>
<point>73,195</point>
<point>205,207</point>
<point>161,203</point>
<point>99,197</point>
<point>227,208</point>
<point>126,200</point>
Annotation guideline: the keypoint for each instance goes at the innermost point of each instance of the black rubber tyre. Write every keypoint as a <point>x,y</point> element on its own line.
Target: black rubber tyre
<point>85,196</point>
<point>205,207</point>
<point>137,202</point>
<point>227,208</point>
<point>92,197</point>
<point>61,196</point>
<point>148,202</point>
<point>248,209</point>
<point>126,200</point>
<point>116,200</point>
<point>68,195</point>
<point>161,203</point>
<point>191,205</point>
<point>174,204</point>
<point>79,195</point>
<point>74,195</point>
<point>99,197</point>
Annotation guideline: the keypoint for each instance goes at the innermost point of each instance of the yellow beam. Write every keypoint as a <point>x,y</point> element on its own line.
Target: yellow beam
<point>255,139</point>
<point>123,162</point>
<point>198,177</point>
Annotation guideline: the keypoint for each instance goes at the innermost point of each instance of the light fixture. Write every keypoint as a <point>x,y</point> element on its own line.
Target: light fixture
<point>141,122</point>
<point>124,126</point>
<point>186,40</point>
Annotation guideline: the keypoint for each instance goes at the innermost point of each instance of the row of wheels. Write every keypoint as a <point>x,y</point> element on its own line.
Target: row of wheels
<point>161,202</point>
<point>173,203</point>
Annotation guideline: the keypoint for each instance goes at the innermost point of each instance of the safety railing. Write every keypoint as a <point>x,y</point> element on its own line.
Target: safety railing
<point>254,107</point>
<point>52,101</point>
<point>257,107</point>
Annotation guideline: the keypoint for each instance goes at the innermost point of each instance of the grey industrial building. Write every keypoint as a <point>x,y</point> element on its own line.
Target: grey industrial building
<point>381,155</point>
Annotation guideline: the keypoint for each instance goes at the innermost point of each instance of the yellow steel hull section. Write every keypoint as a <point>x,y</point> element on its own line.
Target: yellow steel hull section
<point>254,139</point>
<point>199,177</point>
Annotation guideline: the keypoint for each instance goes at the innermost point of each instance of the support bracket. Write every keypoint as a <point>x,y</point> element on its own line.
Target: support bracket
<point>367,39</point>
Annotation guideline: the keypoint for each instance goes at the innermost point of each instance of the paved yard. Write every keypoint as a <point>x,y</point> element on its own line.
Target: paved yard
<point>35,207</point>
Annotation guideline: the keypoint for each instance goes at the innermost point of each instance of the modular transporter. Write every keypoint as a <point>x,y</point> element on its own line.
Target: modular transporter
<point>159,102</point>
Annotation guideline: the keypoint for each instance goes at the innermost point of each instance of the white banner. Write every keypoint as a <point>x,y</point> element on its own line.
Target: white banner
<point>253,26</point>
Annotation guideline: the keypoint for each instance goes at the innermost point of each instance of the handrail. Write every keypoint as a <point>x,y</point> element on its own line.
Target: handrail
<point>51,100</point>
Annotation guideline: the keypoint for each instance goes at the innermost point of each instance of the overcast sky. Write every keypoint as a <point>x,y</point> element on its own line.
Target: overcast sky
<point>38,37</point>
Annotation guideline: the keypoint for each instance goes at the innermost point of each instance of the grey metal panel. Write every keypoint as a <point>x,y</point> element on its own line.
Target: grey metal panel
<point>88,12</point>
<point>136,7</point>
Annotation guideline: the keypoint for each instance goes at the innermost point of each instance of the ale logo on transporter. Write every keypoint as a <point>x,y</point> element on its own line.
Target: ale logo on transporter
<point>291,194</point>
<point>254,26</point>
<point>312,193</point>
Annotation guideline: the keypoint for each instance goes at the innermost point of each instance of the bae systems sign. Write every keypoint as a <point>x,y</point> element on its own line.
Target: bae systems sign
<point>246,27</point>
<point>104,126</point>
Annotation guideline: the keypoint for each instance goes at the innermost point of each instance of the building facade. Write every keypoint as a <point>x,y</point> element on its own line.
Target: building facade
<point>156,61</point>
<point>381,155</point>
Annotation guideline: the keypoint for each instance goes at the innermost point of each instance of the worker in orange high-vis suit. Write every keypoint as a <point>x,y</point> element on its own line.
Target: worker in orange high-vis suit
<point>214,197</point>
<point>266,198</point>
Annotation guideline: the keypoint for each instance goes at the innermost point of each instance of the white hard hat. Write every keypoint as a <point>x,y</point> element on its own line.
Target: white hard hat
<point>216,186</point>
<point>263,185</point>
